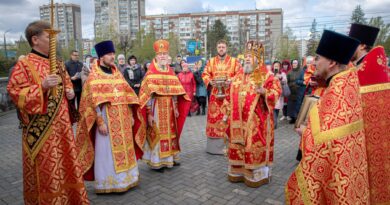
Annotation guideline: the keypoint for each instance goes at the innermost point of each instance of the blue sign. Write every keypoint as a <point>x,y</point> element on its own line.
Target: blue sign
<point>193,45</point>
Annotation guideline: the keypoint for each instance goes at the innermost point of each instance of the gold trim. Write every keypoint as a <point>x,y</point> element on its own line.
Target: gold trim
<point>302,185</point>
<point>117,94</point>
<point>374,88</point>
<point>334,133</point>
<point>106,81</point>
<point>158,165</point>
<point>236,179</point>
<point>127,164</point>
<point>36,78</point>
<point>33,152</point>
<point>106,191</point>
<point>286,195</point>
<point>339,132</point>
<point>22,97</point>
<point>257,184</point>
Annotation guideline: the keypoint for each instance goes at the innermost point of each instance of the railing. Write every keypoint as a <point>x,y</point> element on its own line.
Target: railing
<point>5,100</point>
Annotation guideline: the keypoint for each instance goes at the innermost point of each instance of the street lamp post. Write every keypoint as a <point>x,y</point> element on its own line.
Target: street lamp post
<point>5,44</point>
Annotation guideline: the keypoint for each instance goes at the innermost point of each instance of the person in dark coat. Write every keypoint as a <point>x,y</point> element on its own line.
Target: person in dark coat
<point>292,78</point>
<point>301,88</point>
<point>201,91</point>
<point>74,68</point>
<point>133,74</point>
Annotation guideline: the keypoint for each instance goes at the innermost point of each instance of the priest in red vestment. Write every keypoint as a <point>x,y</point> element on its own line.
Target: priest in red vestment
<point>249,112</point>
<point>217,76</point>
<point>333,169</point>
<point>374,79</point>
<point>51,173</point>
<point>165,106</point>
<point>110,134</point>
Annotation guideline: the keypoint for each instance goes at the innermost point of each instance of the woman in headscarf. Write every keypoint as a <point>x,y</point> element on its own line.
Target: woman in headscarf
<point>292,78</point>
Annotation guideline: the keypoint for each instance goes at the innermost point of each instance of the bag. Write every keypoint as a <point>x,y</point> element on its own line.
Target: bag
<point>286,90</point>
<point>308,102</point>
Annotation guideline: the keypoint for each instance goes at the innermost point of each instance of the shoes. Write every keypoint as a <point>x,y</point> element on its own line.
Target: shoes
<point>288,118</point>
<point>176,163</point>
<point>292,121</point>
<point>161,170</point>
<point>198,113</point>
<point>282,118</point>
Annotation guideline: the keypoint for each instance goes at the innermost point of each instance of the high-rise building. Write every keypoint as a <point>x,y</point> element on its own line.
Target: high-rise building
<point>262,25</point>
<point>67,18</point>
<point>121,17</point>
<point>88,45</point>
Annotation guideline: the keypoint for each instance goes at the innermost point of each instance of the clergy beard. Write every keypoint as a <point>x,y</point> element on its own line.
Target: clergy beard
<point>248,68</point>
<point>162,64</point>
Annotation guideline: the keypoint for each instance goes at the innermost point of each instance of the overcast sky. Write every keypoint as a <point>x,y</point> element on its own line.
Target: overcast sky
<point>298,14</point>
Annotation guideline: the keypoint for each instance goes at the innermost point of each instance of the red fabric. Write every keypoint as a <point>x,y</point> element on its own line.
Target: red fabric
<point>373,71</point>
<point>156,78</point>
<point>374,68</point>
<point>183,106</point>
<point>188,81</point>
<point>194,105</point>
<point>94,95</point>
<point>90,174</point>
<point>137,126</point>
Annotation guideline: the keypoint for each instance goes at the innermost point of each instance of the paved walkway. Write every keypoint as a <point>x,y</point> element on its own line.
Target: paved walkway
<point>201,178</point>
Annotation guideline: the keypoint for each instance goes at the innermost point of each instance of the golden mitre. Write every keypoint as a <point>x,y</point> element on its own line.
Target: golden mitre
<point>161,46</point>
<point>256,49</point>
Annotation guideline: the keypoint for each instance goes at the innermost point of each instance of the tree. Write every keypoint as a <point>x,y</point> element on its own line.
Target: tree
<point>313,41</point>
<point>358,15</point>
<point>384,29</point>
<point>23,47</point>
<point>217,32</point>
<point>142,46</point>
<point>124,45</point>
<point>386,45</point>
<point>174,45</point>
<point>64,52</point>
<point>288,46</point>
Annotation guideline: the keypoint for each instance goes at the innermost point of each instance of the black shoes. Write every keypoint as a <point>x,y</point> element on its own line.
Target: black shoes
<point>176,163</point>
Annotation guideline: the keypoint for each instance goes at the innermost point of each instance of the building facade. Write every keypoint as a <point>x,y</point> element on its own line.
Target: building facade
<point>122,17</point>
<point>67,18</point>
<point>88,46</point>
<point>262,25</point>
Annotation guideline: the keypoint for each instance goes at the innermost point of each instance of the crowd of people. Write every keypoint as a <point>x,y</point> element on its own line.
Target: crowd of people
<point>126,112</point>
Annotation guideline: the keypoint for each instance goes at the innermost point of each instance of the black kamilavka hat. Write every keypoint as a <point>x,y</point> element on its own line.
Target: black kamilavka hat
<point>337,47</point>
<point>365,34</point>
<point>104,47</point>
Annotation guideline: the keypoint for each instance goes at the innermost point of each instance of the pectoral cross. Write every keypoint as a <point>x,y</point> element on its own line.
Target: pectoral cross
<point>116,92</point>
